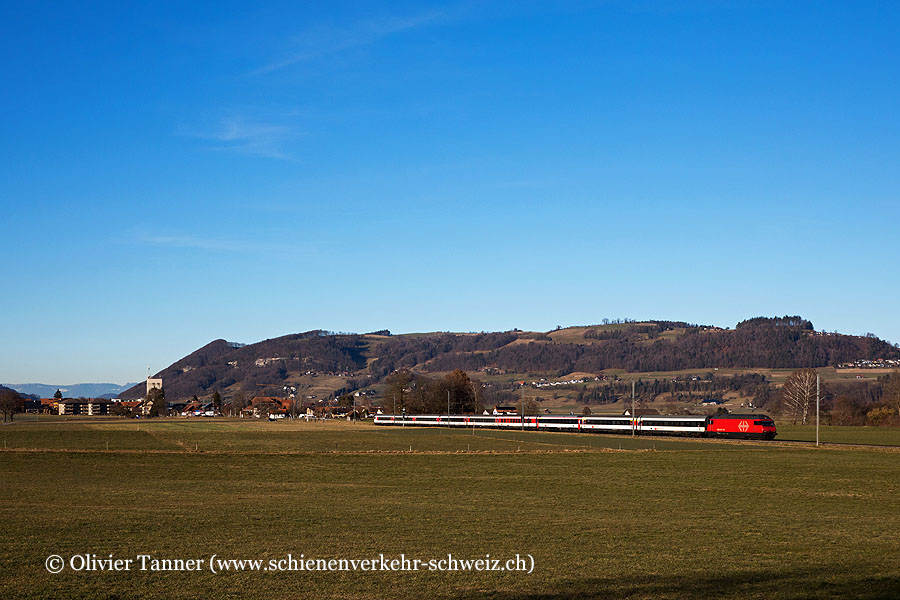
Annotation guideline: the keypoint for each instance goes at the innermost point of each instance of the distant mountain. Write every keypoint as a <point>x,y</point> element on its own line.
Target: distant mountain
<point>76,390</point>
<point>352,361</point>
<point>6,387</point>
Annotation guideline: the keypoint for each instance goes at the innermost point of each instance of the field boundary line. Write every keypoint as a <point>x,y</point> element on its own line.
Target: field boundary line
<point>191,451</point>
<point>156,436</point>
<point>491,437</point>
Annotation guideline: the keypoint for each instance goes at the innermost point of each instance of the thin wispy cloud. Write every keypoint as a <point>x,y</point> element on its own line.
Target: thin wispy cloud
<point>324,40</point>
<point>251,137</point>
<point>189,241</point>
<point>273,244</point>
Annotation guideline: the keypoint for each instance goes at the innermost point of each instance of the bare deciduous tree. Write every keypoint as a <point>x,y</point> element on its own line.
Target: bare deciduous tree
<point>799,394</point>
<point>528,407</point>
<point>9,399</point>
<point>891,396</point>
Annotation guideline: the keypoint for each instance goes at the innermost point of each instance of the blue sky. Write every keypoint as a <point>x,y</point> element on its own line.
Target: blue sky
<point>171,174</point>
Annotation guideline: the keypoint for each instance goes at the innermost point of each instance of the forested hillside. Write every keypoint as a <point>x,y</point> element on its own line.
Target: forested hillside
<point>365,359</point>
<point>757,343</point>
<point>221,364</point>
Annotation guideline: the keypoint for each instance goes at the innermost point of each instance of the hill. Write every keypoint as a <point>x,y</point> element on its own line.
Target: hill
<point>76,390</point>
<point>321,363</point>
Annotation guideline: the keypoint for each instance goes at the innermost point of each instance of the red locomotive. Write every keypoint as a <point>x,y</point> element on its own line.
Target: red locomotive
<point>743,426</point>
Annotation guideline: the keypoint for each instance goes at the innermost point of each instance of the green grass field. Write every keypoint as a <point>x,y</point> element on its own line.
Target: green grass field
<point>661,518</point>
<point>887,436</point>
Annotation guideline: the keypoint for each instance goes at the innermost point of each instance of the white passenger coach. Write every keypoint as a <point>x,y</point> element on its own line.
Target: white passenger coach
<point>671,425</point>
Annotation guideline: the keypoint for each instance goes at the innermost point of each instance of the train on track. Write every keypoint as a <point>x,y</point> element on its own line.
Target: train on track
<point>748,426</point>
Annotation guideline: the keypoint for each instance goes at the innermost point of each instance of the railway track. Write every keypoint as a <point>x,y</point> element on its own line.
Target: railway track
<point>834,444</point>
<point>709,440</point>
<point>775,442</point>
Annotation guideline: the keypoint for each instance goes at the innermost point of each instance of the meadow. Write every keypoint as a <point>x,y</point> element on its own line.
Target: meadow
<point>602,516</point>
<point>886,436</point>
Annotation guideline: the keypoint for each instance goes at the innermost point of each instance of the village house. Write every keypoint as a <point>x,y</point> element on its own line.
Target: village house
<point>640,412</point>
<point>266,405</point>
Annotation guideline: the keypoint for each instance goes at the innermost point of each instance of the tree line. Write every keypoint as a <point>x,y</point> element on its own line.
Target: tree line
<point>456,392</point>
<point>762,346</point>
<point>688,389</point>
